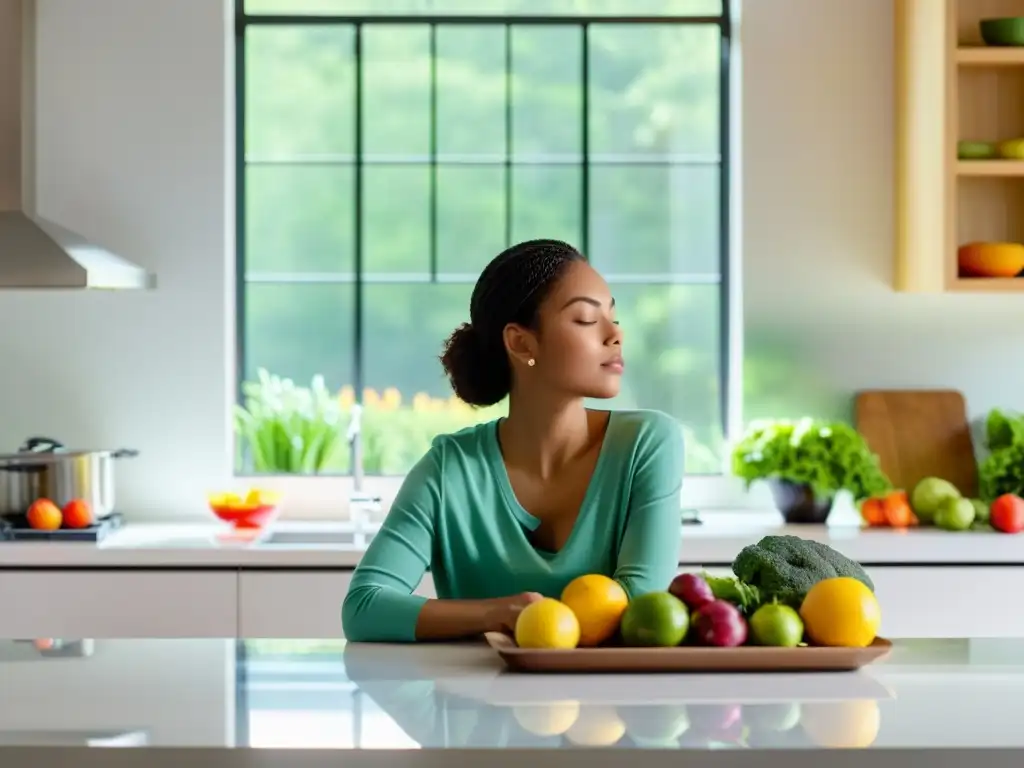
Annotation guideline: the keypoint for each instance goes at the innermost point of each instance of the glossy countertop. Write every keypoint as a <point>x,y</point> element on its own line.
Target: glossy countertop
<point>239,702</point>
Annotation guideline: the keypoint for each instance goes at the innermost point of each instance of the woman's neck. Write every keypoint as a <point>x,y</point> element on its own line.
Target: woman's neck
<point>542,437</point>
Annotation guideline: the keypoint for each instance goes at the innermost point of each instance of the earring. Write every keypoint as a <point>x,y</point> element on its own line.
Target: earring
<point>531,362</point>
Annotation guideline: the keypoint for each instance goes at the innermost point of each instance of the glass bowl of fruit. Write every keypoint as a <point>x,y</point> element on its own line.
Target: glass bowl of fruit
<point>251,510</point>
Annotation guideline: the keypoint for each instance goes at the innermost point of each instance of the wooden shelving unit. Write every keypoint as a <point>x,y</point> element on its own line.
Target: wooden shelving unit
<point>951,87</point>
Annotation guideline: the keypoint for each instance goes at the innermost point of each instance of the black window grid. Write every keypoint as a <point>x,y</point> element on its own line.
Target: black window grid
<point>584,160</point>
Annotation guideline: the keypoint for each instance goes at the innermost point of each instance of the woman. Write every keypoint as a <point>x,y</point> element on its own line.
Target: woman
<point>511,510</point>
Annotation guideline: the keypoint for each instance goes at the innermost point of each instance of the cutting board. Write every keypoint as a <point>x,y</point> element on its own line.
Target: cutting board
<point>919,433</point>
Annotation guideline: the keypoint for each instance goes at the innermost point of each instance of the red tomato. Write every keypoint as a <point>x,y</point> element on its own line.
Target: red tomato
<point>1007,513</point>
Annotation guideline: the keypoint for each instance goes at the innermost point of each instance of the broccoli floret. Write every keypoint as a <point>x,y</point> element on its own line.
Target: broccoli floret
<point>786,567</point>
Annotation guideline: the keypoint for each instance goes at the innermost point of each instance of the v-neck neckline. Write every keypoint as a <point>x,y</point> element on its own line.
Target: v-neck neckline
<point>528,521</point>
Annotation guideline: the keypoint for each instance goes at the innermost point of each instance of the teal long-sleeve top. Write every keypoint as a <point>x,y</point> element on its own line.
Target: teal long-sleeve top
<point>456,514</point>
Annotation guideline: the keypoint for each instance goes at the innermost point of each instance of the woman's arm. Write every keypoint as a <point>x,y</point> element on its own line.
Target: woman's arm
<point>380,605</point>
<point>649,554</point>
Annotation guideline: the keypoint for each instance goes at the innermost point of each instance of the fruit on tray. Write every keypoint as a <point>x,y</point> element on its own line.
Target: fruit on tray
<point>692,589</point>
<point>785,592</point>
<point>890,510</point>
<point>77,513</point>
<point>784,568</point>
<point>985,259</point>
<point>547,623</point>
<point>44,515</point>
<point>598,602</point>
<point>720,624</point>
<point>777,625</point>
<point>656,619</point>
<point>928,495</point>
<point>841,611</point>
<point>1007,513</point>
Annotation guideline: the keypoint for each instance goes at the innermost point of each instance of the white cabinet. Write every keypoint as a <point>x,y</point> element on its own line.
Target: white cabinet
<point>296,604</point>
<point>949,602</point>
<point>118,603</point>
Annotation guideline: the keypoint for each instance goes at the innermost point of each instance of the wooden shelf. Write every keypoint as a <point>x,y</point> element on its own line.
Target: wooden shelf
<point>980,56</point>
<point>993,284</point>
<point>950,87</point>
<point>991,168</point>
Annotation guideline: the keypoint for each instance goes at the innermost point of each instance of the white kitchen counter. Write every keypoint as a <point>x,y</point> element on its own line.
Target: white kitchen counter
<point>715,543</point>
<point>324,703</point>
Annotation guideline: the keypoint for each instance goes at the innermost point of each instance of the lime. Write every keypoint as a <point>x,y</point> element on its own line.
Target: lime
<point>928,496</point>
<point>776,625</point>
<point>655,619</point>
<point>981,511</point>
<point>955,514</point>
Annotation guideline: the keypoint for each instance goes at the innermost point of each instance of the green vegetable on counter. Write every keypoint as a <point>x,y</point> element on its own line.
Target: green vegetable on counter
<point>1002,471</point>
<point>827,456</point>
<point>785,568</point>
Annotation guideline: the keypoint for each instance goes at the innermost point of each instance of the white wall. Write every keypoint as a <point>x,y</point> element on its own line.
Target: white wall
<point>134,110</point>
<point>132,120</point>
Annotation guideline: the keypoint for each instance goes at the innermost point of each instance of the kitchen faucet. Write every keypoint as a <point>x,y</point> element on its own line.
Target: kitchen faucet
<point>354,436</point>
<point>362,506</point>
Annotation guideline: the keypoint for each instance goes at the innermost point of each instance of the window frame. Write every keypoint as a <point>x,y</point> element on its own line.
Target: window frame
<point>325,496</point>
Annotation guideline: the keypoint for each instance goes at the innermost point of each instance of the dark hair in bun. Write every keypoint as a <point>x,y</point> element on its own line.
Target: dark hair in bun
<point>509,290</point>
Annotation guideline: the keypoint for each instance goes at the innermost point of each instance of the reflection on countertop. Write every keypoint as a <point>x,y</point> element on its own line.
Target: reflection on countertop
<point>326,694</point>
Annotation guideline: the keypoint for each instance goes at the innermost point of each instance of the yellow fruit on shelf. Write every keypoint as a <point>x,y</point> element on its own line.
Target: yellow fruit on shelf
<point>547,624</point>
<point>841,611</point>
<point>598,602</point>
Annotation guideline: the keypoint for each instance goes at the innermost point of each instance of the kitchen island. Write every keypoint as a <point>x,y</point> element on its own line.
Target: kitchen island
<point>940,703</point>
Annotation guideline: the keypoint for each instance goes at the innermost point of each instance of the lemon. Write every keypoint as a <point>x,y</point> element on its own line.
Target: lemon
<point>548,623</point>
<point>598,603</point>
<point>841,611</point>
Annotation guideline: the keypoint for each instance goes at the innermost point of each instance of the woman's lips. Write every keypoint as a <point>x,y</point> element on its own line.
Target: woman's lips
<point>618,365</point>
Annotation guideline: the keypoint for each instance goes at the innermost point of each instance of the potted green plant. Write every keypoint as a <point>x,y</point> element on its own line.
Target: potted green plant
<point>806,463</point>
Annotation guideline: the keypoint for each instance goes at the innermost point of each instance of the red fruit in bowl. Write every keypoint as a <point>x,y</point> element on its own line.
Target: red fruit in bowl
<point>720,624</point>
<point>692,589</point>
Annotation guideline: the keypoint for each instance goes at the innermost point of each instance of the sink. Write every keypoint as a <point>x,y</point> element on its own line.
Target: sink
<point>299,537</point>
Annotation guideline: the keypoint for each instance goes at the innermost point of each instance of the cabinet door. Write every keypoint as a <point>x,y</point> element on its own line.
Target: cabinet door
<point>949,602</point>
<point>297,604</point>
<point>126,603</point>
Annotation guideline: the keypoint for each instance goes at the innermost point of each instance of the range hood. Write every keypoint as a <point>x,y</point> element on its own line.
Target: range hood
<point>36,253</point>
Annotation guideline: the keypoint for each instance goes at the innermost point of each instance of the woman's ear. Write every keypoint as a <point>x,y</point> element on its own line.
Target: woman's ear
<point>520,342</point>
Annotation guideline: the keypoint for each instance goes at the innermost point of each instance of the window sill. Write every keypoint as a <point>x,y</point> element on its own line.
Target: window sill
<point>327,498</point>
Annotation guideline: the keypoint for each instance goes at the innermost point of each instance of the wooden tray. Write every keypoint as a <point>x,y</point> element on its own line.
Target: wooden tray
<point>686,658</point>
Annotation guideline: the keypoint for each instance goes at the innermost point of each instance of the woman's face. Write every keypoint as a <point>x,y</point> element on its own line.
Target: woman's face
<point>578,345</point>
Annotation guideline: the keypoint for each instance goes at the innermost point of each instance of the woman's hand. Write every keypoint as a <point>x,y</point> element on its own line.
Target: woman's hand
<point>503,614</point>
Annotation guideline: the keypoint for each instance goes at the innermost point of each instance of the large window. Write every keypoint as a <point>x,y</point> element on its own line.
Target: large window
<point>389,148</point>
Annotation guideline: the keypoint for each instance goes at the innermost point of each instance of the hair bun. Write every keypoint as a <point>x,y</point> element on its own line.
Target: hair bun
<point>479,376</point>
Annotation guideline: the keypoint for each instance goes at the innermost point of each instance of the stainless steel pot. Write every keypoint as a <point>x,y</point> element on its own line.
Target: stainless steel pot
<point>44,468</point>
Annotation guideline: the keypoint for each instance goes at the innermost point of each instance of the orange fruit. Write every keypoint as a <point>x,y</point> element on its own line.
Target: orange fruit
<point>77,514</point>
<point>598,603</point>
<point>547,623</point>
<point>841,611</point>
<point>44,515</point>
